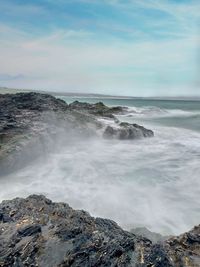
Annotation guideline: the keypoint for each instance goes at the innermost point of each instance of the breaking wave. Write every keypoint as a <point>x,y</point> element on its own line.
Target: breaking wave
<point>153,111</point>
<point>151,182</point>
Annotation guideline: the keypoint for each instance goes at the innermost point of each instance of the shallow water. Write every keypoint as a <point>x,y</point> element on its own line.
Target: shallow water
<point>153,182</point>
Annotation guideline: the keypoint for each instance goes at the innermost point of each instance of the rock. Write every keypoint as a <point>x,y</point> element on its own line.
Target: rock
<point>29,230</point>
<point>110,132</point>
<point>184,250</point>
<point>98,109</point>
<point>127,131</point>
<point>44,233</point>
<point>4,217</point>
<point>32,121</point>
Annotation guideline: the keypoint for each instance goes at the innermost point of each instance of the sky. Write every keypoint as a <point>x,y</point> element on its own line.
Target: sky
<point>118,47</point>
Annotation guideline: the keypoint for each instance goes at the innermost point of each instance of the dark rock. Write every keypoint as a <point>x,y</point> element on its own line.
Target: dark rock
<point>98,109</point>
<point>127,131</point>
<point>4,217</point>
<point>28,121</point>
<point>29,230</point>
<point>158,257</point>
<point>73,238</point>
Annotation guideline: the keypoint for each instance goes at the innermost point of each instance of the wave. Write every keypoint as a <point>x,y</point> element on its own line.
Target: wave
<point>146,111</point>
<point>153,111</point>
<point>147,182</point>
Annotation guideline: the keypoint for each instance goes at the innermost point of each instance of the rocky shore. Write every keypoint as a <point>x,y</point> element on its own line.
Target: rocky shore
<point>37,232</point>
<point>29,120</point>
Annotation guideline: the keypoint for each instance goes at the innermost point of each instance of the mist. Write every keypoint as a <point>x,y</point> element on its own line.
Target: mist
<point>136,183</point>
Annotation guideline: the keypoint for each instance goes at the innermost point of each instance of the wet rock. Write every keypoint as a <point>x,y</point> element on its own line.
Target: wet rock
<point>69,237</point>
<point>98,109</point>
<point>30,121</point>
<point>127,131</point>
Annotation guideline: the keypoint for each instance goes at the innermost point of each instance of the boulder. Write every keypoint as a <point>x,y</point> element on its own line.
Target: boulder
<point>125,131</point>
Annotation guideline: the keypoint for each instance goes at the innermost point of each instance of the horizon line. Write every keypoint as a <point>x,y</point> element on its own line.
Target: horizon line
<point>74,94</point>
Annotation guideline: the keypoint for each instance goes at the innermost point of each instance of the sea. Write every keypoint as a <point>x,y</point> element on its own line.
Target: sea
<point>150,182</point>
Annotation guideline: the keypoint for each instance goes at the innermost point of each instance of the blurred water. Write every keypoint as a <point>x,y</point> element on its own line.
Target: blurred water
<point>153,182</point>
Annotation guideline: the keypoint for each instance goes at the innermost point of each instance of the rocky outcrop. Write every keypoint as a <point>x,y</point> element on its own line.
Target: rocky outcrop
<point>98,109</point>
<point>119,130</point>
<point>127,131</point>
<point>37,232</point>
<point>29,120</point>
<point>26,122</point>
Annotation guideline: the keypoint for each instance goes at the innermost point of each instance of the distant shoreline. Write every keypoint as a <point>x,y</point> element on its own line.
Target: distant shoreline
<point>6,90</point>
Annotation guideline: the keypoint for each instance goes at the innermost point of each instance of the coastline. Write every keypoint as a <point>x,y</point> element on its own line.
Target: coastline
<point>26,119</point>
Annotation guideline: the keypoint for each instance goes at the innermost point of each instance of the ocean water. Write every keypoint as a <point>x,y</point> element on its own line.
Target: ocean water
<point>152,182</point>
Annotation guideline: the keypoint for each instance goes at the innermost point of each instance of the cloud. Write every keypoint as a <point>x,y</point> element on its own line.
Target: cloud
<point>111,57</point>
<point>27,9</point>
<point>64,60</point>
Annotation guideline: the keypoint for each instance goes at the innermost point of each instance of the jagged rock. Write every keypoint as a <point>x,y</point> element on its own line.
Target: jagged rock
<point>184,250</point>
<point>98,109</point>
<point>127,131</point>
<point>28,121</point>
<point>43,233</point>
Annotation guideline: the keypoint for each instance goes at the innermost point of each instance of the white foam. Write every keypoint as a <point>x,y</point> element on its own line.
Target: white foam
<point>154,112</point>
<point>152,182</point>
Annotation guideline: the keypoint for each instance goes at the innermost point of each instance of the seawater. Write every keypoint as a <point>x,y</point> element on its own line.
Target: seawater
<point>152,182</point>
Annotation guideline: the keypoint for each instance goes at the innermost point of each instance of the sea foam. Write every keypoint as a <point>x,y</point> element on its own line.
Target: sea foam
<point>151,182</point>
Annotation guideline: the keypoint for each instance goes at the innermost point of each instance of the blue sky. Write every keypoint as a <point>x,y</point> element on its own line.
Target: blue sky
<point>132,47</point>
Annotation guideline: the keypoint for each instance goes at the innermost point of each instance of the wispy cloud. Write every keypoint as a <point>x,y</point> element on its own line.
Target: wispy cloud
<point>27,9</point>
<point>135,51</point>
